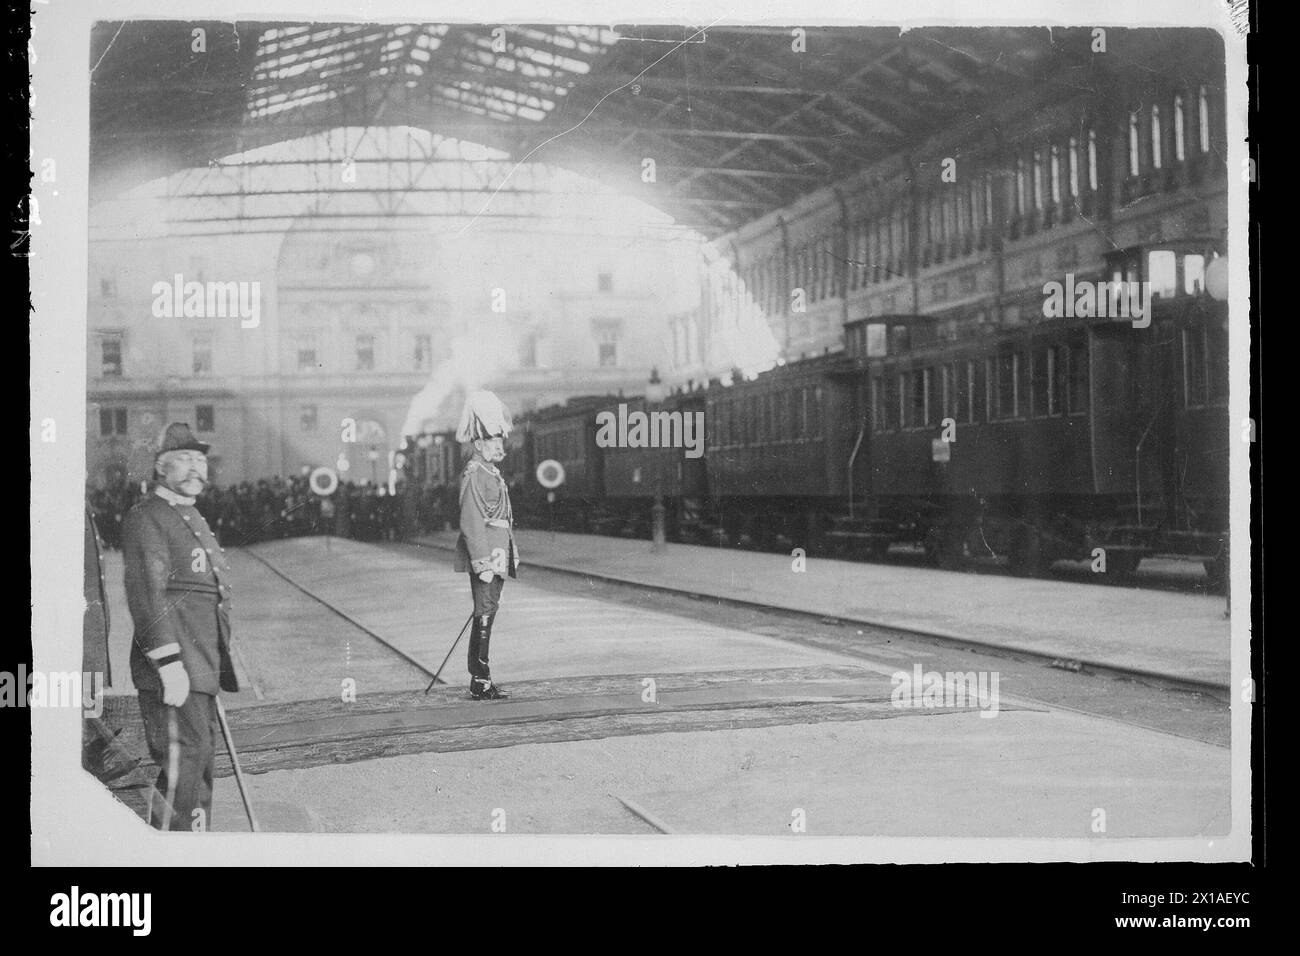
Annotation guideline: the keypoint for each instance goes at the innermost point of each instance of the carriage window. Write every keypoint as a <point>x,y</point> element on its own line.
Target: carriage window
<point>1180,131</point>
<point>899,339</point>
<point>1045,382</point>
<point>1203,111</point>
<point>892,418</point>
<point>1157,157</point>
<point>1193,274</point>
<point>1162,272</point>
<point>1008,372</point>
<point>1194,371</point>
<point>1037,183</point>
<point>1092,159</point>
<point>1216,340</point>
<point>1074,168</point>
<point>876,340</point>
<point>931,390</point>
<point>967,396</point>
<point>1133,167</point>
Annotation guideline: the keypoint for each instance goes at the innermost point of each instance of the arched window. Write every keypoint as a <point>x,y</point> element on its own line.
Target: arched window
<point>1203,104</point>
<point>1092,159</point>
<point>1157,158</point>
<point>1180,131</point>
<point>1074,168</point>
<point>1133,167</point>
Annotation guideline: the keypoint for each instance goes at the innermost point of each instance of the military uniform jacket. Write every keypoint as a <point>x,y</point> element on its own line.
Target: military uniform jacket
<point>178,590</point>
<point>487,538</point>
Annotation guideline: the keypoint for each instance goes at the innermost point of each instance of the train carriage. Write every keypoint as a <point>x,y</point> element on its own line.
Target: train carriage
<point>1053,439</point>
<point>777,444</point>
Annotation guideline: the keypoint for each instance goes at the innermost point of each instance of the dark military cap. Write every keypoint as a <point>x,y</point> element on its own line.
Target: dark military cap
<point>178,437</point>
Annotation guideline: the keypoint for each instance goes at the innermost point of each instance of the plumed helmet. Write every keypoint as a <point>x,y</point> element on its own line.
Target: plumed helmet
<point>483,417</point>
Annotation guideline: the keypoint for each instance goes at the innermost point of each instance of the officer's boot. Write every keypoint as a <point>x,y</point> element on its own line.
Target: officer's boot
<point>481,687</point>
<point>477,671</point>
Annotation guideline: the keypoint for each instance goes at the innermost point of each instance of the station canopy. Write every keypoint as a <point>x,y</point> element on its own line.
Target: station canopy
<point>737,122</point>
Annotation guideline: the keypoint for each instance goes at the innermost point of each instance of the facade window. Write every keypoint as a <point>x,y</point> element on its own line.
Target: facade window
<point>1054,170</point>
<point>1020,186</point>
<point>307,418</point>
<point>108,288</point>
<point>607,347</point>
<point>605,282</point>
<point>308,360</point>
<point>110,356</point>
<point>1092,159</point>
<point>1133,164</point>
<point>1203,115</point>
<point>1180,130</point>
<point>365,353</point>
<point>201,366</point>
<point>1157,156</point>
<point>423,355</point>
<point>1073,159</point>
<point>988,200</point>
<point>112,421</point>
<point>204,418</point>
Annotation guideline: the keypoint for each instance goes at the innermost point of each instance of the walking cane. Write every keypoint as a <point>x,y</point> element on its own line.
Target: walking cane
<point>450,652</point>
<point>234,762</point>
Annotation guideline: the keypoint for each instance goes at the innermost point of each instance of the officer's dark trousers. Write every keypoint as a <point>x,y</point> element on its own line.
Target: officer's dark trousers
<point>183,742</point>
<point>487,598</point>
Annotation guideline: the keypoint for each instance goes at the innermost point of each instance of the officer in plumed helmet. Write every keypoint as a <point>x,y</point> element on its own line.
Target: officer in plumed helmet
<point>486,545</point>
<point>178,592</point>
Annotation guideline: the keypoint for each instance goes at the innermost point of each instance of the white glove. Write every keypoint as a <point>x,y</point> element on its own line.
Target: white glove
<point>486,576</point>
<point>176,683</point>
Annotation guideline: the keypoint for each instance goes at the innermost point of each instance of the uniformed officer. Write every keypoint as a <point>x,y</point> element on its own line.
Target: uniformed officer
<point>178,591</point>
<point>486,545</point>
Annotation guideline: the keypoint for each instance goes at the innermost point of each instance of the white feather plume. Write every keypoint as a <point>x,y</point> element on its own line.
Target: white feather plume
<point>484,416</point>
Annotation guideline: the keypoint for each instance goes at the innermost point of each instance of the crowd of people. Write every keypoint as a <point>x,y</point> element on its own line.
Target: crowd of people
<point>277,507</point>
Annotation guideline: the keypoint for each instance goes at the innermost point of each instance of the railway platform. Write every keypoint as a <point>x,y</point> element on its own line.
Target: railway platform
<point>1181,636</point>
<point>634,722</point>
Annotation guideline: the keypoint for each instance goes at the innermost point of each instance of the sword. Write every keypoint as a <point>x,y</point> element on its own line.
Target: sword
<point>450,652</point>
<point>234,762</point>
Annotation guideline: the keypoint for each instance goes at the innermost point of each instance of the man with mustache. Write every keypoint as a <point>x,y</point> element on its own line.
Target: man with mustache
<point>486,546</point>
<point>178,591</point>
